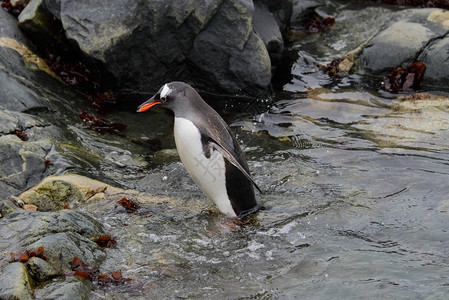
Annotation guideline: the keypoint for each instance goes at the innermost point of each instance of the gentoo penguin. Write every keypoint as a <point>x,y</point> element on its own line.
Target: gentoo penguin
<point>208,149</point>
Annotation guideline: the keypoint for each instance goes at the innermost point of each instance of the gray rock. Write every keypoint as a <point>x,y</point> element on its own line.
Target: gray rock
<point>63,234</point>
<point>15,282</point>
<point>414,35</point>
<point>7,206</point>
<point>40,270</point>
<point>35,17</point>
<point>436,58</point>
<point>282,10</point>
<point>230,53</point>
<point>300,6</point>
<point>34,101</point>
<point>152,42</point>
<point>60,249</point>
<point>265,26</point>
<point>398,44</point>
<point>23,163</point>
<point>54,7</point>
<point>68,289</point>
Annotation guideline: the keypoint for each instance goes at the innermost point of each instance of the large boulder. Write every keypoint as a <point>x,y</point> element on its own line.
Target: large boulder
<point>214,45</point>
<point>418,35</point>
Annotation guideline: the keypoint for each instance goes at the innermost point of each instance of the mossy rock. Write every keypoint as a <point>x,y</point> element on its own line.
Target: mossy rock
<point>52,194</point>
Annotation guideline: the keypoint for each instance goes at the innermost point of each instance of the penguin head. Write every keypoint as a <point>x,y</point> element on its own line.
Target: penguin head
<point>176,96</point>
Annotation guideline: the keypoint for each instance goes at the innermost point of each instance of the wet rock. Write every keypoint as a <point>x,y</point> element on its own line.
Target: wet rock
<point>23,163</point>
<point>8,206</point>
<point>52,194</point>
<point>55,192</point>
<point>209,43</point>
<point>15,282</point>
<point>265,26</point>
<point>281,10</point>
<point>435,58</point>
<point>29,98</point>
<point>36,19</point>
<point>60,248</point>
<point>415,35</point>
<point>40,269</point>
<point>67,289</point>
<point>62,233</point>
<point>301,6</point>
<point>397,45</point>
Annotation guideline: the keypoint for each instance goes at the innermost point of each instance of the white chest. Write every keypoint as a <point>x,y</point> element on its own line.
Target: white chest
<point>207,173</point>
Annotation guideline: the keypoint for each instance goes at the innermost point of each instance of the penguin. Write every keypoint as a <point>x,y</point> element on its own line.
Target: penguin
<point>208,150</point>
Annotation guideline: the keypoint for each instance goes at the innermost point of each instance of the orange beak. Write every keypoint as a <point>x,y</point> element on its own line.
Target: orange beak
<point>147,105</point>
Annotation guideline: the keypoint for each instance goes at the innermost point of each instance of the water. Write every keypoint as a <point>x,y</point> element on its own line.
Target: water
<point>355,185</point>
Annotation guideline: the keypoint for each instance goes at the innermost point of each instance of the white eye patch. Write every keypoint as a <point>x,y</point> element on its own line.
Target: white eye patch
<point>165,91</point>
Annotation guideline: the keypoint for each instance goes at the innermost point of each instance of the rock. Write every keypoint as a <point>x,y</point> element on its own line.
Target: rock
<point>67,289</point>
<point>282,10</point>
<point>60,248</point>
<point>396,45</point>
<point>65,232</point>
<point>265,26</point>
<point>23,163</point>
<point>435,58</point>
<point>301,6</point>
<point>210,44</point>
<point>29,94</point>
<point>15,282</point>
<point>230,53</point>
<point>55,192</point>
<point>40,270</point>
<point>7,206</point>
<point>52,194</point>
<point>418,35</point>
<point>36,19</point>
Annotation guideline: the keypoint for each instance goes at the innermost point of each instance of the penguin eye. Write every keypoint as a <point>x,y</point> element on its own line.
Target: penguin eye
<point>163,99</point>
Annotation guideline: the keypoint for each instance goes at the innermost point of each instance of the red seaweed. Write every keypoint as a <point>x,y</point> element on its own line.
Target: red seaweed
<point>14,10</point>
<point>106,241</point>
<point>115,278</point>
<point>84,270</point>
<point>22,135</point>
<point>129,205</point>
<point>332,68</point>
<point>318,24</point>
<point>405,80</point>
<point>26,255</point>
<point>100,125</point>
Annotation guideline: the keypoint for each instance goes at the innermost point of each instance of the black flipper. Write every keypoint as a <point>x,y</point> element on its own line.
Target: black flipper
<point>228,155</point>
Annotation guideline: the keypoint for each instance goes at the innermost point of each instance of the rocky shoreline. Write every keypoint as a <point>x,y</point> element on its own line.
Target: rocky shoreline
<point>230,47</point>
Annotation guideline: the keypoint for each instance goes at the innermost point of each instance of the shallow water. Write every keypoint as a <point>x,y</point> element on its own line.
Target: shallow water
<point>354,180</point>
